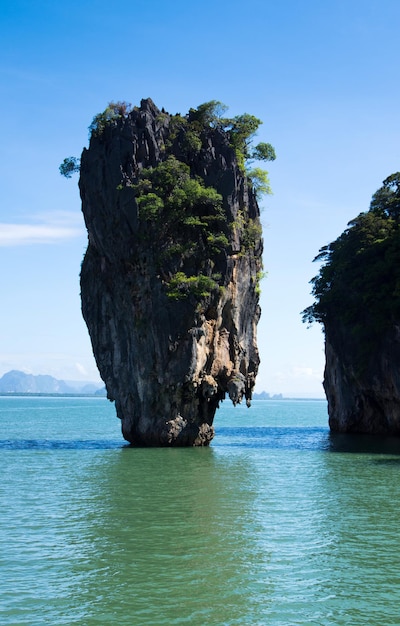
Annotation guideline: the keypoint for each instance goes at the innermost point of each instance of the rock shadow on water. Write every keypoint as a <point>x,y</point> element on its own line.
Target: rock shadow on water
<point>356,443</point>
<point>317,439</point>
<point>166,529</point>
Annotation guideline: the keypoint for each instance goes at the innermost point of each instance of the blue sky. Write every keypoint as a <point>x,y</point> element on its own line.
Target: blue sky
<point>323,77</point>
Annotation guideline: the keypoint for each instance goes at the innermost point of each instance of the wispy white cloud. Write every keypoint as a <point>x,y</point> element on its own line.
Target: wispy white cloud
<point>301,371</point>
<point>81,369</point>
<point>295,380</point>
<point>47,229</point>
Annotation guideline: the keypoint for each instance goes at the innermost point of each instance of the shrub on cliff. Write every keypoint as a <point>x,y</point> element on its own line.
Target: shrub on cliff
<point>186,219</point>
<point>170,193</point>
<point>113,112</point>
<point>70,165</point>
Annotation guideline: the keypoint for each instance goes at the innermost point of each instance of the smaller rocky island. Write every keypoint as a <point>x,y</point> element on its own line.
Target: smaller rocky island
<point>170,279</point>
<point>357,294</point>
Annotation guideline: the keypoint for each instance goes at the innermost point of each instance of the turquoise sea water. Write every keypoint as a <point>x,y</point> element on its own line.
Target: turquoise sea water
<point>277,523</point>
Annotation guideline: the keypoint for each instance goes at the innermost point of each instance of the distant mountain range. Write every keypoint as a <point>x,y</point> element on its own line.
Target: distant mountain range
<point>16,381</point>
<point>266,396</point>
<point>20,382</point>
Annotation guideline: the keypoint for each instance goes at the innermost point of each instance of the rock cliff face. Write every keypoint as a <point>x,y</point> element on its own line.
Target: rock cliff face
<point>169,281</point>
<point>362,397</point>
<point>357,295</point>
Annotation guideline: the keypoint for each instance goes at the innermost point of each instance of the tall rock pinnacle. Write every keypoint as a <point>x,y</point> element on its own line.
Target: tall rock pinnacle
<point>169,281</point>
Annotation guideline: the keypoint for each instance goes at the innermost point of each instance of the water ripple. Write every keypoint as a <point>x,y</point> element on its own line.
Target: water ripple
<point>318,439</point>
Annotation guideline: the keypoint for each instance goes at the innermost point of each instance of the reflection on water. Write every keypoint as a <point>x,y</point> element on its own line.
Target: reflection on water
<point>174,540</point>
<point>367,444</point>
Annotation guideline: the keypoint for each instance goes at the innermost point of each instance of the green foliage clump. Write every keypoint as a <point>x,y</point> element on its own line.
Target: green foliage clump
<point>241,131</point>
<point>150,206</point>
<point>208,115</point>
<point>217,242</point>
<point>183,216</point>
<point>110,115</point>
<point>259,277</point>
<point>69,166</point>
<point>193,141</point>
<point>169,192</point>
<point>358,284</point>
<point>386,201</point>
<point>181,286</point>
<point>259,181</point>
<point>252,232</point>
<point>193,220</point>
<point>263,152</point>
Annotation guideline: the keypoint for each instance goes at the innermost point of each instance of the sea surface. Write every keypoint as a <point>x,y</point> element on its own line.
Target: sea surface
<point>278,522</point>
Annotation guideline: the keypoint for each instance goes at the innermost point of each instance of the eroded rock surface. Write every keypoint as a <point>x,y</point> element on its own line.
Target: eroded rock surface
<point>168,344</point>
<point>364,396</point>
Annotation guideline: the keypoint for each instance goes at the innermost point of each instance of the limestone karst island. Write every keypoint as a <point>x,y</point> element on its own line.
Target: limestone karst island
<point>170,278</point>
<point>357,299</point>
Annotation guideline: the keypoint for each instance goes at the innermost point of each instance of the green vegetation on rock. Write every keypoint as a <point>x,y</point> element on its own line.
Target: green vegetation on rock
<point>241,131</point>
<point>358,285</point>
<point>200,286</point>
<point>169,193</point>
<point>182,217</point>
<point>70,165</point>
<point>189,131</point>
<point>113,112</point>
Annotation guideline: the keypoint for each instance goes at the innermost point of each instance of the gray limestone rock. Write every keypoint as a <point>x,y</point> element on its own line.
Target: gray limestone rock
<point>171,307</point>
<point>363,397</point>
